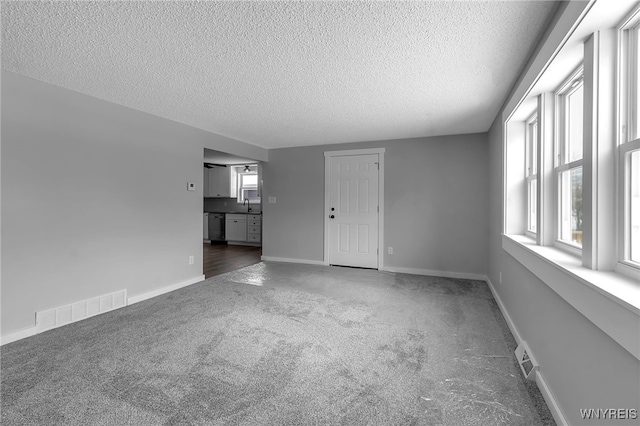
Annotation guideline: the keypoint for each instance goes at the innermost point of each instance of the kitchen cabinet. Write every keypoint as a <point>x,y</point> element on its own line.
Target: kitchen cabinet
<point>236,227</point>
<point>254,228</point>
<point>218,183</point>
<point>205,186</point>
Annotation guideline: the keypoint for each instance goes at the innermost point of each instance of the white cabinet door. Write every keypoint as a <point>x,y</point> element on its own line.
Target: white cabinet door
<point>219,180</point>
<point>205,186</point>
<point>236,228</point>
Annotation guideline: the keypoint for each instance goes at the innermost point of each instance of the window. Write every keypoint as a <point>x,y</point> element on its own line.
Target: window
<point>629,140</point>
<point>568,184</point>
<point>632,165</point>
<point>581,229</point>
<point>568,170</point>
<point>531,173</point>
<point>634,54</point>
<point>248,186</point>
<point>569,167</point>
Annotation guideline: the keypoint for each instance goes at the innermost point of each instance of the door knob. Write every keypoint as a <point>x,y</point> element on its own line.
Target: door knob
<point>332,216</point>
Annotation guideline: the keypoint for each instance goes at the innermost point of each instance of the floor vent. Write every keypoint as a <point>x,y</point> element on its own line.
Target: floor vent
<point>56,317</point>
<point>527,363</point>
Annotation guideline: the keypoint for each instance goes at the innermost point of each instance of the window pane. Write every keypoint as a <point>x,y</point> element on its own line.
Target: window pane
<point>249,180</point>
<point>634,207</point>
<point>250,194</point>
<point>571,206</point>
<point>635,97</point>
<point>574,125</point>
<point>533,207</point>
<point>534,148</point>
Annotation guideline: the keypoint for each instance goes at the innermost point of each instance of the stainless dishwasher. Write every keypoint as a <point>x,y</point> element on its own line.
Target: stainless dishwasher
<point>216,227</point>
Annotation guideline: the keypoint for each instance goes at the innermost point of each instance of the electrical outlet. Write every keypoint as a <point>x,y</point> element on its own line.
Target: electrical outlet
<point>191,259</point>
<point>390,250</point>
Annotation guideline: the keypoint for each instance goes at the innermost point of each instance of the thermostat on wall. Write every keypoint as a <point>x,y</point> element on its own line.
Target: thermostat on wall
<point>191,186</point>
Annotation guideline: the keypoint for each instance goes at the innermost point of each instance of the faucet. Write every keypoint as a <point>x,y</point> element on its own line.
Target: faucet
<point>246,200</point>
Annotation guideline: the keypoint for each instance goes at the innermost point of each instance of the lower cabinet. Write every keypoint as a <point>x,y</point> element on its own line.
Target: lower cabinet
<point>254,228</point>
<point>243,228</point>
<point>236,227</point>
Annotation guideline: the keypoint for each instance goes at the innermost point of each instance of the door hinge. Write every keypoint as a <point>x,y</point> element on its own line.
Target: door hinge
<point>378,209</point>
<point>377,251</point>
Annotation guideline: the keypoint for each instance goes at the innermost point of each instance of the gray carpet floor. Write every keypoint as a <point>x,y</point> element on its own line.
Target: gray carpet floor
<point>280,344</point>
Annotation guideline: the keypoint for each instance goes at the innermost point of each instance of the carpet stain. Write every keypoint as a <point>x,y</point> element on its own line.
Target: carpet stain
<point>453,314</point>
<point>405,353</point>
<point>20,382</point>
<point>140,390</point>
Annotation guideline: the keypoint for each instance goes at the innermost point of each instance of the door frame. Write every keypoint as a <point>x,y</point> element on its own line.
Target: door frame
<point>327,193</point>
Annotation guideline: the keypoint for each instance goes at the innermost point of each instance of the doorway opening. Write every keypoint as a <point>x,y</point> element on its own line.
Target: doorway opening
<point>232,225</point>
<point>222,258</point>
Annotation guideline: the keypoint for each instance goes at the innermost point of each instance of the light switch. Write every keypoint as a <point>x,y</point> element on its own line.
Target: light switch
<point>191,186</point>
<point>272,200</point>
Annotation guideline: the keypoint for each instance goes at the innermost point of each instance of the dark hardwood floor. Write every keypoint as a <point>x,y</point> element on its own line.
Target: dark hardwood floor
<point>221,258</point>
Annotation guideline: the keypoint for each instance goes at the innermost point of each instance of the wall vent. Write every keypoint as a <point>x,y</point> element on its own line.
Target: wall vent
<point>57,317</point>
<point>528,364</point>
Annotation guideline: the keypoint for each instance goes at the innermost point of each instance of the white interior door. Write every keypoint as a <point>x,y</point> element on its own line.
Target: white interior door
<point>353,211</point>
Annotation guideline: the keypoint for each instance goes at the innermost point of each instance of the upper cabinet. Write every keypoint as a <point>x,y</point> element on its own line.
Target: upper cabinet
<point>205,186</point>
<point>217,182</point>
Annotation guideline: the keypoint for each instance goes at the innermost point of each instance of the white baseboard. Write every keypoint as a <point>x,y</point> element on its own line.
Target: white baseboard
<point>545,390</point>
<point>432,273</point>
<point>505,313</point>
<point>18,335</point>
<point>163,290</point>
<point>32,331</point>
<point>556,412</point>
<point>291,260</point>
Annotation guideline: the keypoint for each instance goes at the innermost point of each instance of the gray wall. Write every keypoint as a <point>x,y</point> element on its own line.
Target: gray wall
<point>436,204</point>
<point>94,199</point>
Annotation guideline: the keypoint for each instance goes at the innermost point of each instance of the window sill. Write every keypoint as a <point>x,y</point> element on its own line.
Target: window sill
<point>608,299</point>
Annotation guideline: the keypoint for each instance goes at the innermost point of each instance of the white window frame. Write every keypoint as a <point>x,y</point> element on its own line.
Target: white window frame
<point>562,164</point>
<point>588,281</point>
<point>532,167</point>
<point>624,260</point>
<point>241,187</point>
<point>628,91</point>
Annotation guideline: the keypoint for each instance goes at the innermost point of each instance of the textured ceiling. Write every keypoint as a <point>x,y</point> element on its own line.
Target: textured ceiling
<point>277,74</point>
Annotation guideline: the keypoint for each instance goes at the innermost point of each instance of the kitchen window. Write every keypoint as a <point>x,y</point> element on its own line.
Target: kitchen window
<point>248,187</point>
